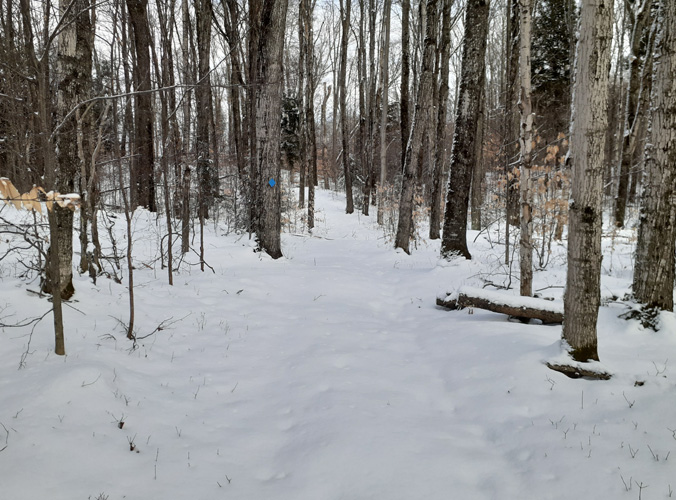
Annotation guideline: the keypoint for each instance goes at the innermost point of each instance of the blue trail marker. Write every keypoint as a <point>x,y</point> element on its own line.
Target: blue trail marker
<point>272,183</point>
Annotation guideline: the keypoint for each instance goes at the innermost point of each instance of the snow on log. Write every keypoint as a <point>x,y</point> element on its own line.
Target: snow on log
<point>546,311</point>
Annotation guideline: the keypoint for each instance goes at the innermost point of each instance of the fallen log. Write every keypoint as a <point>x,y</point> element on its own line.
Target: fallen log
<point>522,308</point>
<point>579,371</point>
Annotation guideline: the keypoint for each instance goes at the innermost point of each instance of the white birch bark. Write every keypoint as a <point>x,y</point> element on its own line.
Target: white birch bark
<point>526,143</point>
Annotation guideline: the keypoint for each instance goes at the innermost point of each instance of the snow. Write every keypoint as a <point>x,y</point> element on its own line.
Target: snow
<point>328,374</point>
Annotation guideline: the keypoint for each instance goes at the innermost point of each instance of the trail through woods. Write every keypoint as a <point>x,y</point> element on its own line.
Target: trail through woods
<point>326,374</point>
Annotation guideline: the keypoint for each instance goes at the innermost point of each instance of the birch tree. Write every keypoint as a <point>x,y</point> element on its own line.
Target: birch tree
<point>653,283</point>
<point>526,143</point>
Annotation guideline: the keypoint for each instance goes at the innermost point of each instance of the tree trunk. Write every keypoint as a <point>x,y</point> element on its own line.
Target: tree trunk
<point>369,182</point>
<point>638,45</point>
<point>74,60</point>
<point>239,142</point>
<point>478,172</point>
<point>405,71</point>
<point>165,75</point>
<point>546,311</point>
<point>269,18</point>
<point>653,283</point>
<point>73,86</point>
<point>440,142</point>
<point>345,7</point>
<point>361,149</point>
<point>328,166</point>
<point>143,162</point>
<point>526,143</point>
<point>586,155</point>
<point>423,107</point>
<point>384,97</point>
<point>511,119</point>
<point>300,100</point>
<point>463,152</point>
<point>207,176</point>
<point>307,37</point>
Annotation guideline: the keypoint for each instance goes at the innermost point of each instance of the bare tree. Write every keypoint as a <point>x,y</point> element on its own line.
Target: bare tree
<point>405,73</point>
<point>511,124</point>
<point>653,283</point>
<point>345,8</point>
<point>384,99</point>
<point>463,152</point>
<point>207,172</point>
<point>268,21</point>
<point>526,142</point>
<point>586,157</point>
<point>422,113</point>
<point>310,141</point>
<point>640,12</point>
<point>444,53</point>
<point>74,61</point>
<point>143,162</point>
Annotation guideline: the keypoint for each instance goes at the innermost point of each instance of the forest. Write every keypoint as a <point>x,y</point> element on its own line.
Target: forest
<point>246,160</point>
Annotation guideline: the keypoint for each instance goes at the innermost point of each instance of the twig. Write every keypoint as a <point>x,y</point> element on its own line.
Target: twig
<point>24,355</point>
<point>626,488</point>
<point>162,326</point>
<point>91,383</point>
<point>6,436</point>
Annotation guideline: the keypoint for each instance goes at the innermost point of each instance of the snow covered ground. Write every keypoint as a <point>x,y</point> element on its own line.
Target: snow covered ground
<point>329,374</point>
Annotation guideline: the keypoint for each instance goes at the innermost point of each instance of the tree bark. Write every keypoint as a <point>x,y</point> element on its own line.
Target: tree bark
<point>638,44</point>
<point>362,75</point>
<point>307,40</point>
<point>586,156</point>
<point>423,108</point>
<point>384,99</point>
<point>442,105</point>
<point>328,166</point>
<point>345,7</point>
<point>269,18</point>
<point>143,163</point>
<point>404,91</point>
<point>370,110</point>
<point>511,119</point>
<point>463,152</point>
<point>74,59</point>
<point>476,195</point>
<point>207,174</point>
<point>546,311</point>
<point>653,283</point>
<point>526,143</point>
